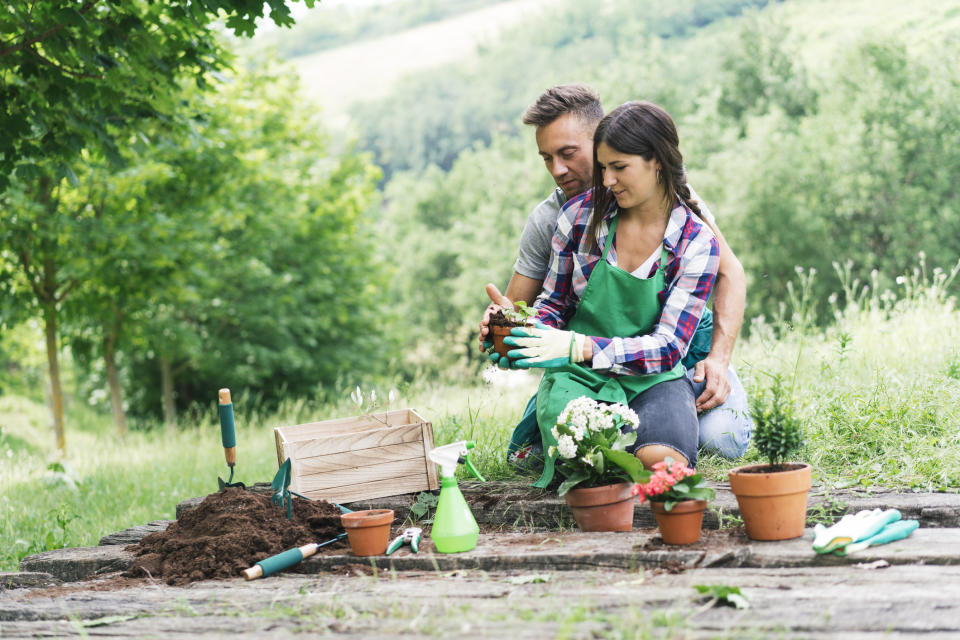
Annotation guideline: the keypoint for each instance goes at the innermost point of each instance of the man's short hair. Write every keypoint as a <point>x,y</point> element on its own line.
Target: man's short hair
<point>578,99</point>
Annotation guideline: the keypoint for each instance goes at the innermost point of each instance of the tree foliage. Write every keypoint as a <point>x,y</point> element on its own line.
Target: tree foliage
<point>81,75</point>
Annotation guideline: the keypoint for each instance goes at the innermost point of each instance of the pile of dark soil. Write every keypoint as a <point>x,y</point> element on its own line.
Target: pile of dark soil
<point>499,320</point>
<point>228,532</point>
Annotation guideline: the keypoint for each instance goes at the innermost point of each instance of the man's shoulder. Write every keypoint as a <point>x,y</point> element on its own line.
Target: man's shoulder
<point>549,207</point>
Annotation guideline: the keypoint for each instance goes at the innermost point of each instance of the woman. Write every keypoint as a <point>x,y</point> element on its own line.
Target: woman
<point>631,271</point>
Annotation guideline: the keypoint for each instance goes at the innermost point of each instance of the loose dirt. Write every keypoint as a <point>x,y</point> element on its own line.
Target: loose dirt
<point>230,531</point>
<point>499,320</point>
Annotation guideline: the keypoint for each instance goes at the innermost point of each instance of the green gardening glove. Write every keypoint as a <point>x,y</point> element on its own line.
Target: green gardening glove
<point>497,359</point>
<point>544,347</point>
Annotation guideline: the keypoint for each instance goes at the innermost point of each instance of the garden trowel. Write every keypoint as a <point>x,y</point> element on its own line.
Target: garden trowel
<point>228,435</point>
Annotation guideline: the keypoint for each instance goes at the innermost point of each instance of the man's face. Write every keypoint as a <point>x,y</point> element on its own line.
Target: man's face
<point>566,146</point>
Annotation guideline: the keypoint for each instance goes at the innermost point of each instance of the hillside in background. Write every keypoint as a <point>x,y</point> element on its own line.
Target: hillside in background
<point>799,120</point>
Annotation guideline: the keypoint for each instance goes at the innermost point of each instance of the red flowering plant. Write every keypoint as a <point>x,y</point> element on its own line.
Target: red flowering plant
<point>672,482</point>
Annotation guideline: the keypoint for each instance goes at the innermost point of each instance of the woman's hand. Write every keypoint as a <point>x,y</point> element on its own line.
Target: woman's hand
<point>546,347</point>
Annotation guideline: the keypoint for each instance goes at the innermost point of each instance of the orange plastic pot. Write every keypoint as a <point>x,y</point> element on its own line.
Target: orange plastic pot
<point>606,508</point>
<point>682,524</point>
<point>773,504</point>
<point>368,531</point>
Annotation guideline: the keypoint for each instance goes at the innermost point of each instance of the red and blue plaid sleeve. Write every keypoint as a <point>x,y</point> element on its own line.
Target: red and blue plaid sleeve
<point>566,273</point>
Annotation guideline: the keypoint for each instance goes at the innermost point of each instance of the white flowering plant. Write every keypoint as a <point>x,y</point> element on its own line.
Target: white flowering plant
<point>591,441</point>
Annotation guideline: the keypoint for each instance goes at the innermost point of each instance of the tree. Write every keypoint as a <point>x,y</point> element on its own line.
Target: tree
<point>85,78</point>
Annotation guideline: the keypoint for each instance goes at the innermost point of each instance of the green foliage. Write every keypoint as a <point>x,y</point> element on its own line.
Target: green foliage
<point>420,510</point>
<point>777,431</point>
<point>520,313</point>
<point>86,76</point>
<point>866,177</point>
<point>447,235</point>
<point>724,594</point>
<point>763,74</point>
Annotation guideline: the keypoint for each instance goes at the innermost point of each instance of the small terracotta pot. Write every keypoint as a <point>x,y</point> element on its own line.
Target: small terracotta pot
<point>499,333</point>
<point>606,508</point>
<point>368,531</point>
<point>773,504</point>
<point>680,525</point>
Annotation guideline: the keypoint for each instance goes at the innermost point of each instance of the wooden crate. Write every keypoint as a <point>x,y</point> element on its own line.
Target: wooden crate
<point>359,458</point>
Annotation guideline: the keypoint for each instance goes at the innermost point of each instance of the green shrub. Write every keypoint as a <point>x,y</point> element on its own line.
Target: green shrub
<point>778,433</point>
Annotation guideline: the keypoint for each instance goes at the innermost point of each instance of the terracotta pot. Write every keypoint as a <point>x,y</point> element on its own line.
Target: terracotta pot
<point>606,508</point>
<point>773,504</point>
<point>680,525</point>
<point>499,333</point>
<point>368,531</point>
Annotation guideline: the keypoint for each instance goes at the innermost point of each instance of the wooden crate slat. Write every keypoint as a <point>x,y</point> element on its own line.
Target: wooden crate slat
<point>427,441</point>
<point>347,477</point>
<point>352,441</point>
<point>360,458</point>
<point>369,490</point>
<point>310,430</point>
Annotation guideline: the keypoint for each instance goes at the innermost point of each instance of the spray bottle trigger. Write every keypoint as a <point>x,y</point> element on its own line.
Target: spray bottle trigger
<point>466,460</point>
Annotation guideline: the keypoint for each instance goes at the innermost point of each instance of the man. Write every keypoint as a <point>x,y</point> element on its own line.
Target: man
<point>565,118</point>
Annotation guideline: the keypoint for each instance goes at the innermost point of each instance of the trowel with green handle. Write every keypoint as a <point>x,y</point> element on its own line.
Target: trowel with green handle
<point>228,436</point>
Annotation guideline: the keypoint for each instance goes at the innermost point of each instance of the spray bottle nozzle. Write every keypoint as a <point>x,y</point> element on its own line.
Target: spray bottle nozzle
<point>449,456</point>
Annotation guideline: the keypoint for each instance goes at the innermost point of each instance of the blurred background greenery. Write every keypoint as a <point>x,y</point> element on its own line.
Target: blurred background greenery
<point>319,207</point>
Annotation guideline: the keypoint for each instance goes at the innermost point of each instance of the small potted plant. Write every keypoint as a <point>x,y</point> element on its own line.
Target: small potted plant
<point>503,321</point>
<point>598,473</point>
<point>677,496</point>
<point>773,496</point>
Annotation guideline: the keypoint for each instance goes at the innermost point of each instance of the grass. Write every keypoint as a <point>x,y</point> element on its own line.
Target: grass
<point>876,389</point>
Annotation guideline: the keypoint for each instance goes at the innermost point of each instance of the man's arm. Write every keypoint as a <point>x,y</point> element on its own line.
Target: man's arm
<point>523,288</point>
<point>729,300</point>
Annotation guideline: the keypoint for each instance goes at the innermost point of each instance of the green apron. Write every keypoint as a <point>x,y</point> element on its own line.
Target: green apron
<point>614,303</point>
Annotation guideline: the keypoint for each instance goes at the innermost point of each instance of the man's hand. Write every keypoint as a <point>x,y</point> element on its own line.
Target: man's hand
<point>718,383</point>
<point>498,302</point>
<point>544,347</point>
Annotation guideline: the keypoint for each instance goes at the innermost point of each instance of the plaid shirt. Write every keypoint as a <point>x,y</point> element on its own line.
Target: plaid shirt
<point>691,269</point>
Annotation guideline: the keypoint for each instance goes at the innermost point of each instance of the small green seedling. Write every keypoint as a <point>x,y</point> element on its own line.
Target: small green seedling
<point>777,431</point>
<point>421,508</point>
<point>520,314</point>
<point>724,594</point>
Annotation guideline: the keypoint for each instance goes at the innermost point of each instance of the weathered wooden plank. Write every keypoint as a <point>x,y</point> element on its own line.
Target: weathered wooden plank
<point>432,481</point>
<point>369,439</point>
<point>357,458</point>
<point>368,490</point>
<point>310,430</point>
<point>385,470</point>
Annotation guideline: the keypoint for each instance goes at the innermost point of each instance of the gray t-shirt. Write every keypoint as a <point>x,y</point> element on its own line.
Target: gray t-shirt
<point>533,259</point>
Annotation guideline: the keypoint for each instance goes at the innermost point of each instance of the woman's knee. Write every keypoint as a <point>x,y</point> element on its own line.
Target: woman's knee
<point>651,454</point>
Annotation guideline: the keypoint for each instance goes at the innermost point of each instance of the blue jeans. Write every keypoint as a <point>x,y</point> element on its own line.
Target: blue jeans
<point>725,430</point>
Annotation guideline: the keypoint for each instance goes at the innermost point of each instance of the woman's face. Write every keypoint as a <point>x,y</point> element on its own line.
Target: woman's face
<point>632,179</point>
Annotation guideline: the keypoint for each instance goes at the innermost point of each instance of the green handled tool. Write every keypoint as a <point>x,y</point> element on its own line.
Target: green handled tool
<point>290,557</point>
<point>411,536</point>
<point>286,559</point>
<point>228,435</point>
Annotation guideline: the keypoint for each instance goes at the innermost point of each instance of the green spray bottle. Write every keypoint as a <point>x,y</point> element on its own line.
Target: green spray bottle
<point>454,527</point>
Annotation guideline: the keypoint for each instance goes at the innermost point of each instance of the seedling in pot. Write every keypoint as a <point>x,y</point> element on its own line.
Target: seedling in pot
<point>777,432</point>
<point>502,321</point>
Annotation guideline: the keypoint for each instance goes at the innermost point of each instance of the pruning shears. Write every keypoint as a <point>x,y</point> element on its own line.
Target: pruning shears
<point>411,536</point>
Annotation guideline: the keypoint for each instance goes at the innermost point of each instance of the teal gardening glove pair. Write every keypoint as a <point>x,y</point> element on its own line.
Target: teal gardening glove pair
<point>541,347</point>
<point>861,530</point>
